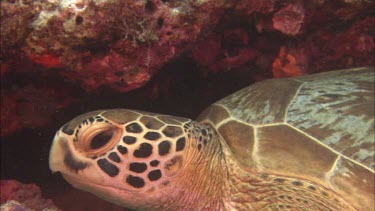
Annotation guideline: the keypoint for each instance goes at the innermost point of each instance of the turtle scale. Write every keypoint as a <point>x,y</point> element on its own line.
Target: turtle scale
<point>321,129</point>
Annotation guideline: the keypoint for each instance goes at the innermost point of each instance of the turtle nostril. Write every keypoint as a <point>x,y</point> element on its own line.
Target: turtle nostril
<point>101,139</point>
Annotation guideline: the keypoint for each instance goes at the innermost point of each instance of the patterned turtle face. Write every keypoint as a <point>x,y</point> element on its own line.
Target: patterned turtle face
<point>130,151</point>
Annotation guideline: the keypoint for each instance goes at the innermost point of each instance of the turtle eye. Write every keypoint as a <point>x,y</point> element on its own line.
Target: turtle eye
<point>97,139</point>
<point>101,139</point>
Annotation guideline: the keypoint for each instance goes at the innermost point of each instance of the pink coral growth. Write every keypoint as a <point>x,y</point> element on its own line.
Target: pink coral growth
<point>29,195</point>
<point>349,48</point>
<point>289,19</point>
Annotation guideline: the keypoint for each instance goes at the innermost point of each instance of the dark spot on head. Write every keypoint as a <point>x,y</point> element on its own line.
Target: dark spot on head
<point>324,193</point>
<point>305,201</point>
<point>85,122</point>
<point>71,161</point>
<point>134,181</point>
<point>281,206</point>
<point>108,167</point>
<point>164,147</point>
<point>123,150</point>
<point>67,129</point>
<point>154,175</point>
<point>204,132</point>
<point>205,142</point>
<point>173,165</point>
<point>264,176</point>
<point>180,145</point>
<point>280,180</point>
<point>312,187</point>
<point>129,139</point>
<point>152,136</point>
<point>134,128</point>
<point>289,197</point>
<point>288,206</point>
<point>297,183</point>
<point>114,157</point>
<point>281,197</point>
<point>154,163</point>
<point>137,167</point>
<point>172,131</point>
<point>144,150</point>
<point>99,119</point>
<point>91,120</point>
<point>199,147</point>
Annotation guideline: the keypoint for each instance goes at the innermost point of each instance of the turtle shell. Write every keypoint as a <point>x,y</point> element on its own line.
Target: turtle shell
<point>317,127</point>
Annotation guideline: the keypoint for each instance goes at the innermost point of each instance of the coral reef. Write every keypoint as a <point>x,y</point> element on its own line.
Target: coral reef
<point>289,19</point>
<point>90,44</point>
<point>13,206</point>
<point>30,107</point>
<point>27,197</point>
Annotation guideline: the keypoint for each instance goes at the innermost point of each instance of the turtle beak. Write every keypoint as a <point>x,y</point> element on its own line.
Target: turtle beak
<point>62,156</point>
<point>57,153</point>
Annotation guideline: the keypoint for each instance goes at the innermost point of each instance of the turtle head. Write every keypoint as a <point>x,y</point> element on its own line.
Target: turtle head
<point>131,158</point>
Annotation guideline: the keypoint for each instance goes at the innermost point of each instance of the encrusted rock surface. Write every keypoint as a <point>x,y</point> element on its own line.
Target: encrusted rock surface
<point>123,44</point>
<point>18,196</point>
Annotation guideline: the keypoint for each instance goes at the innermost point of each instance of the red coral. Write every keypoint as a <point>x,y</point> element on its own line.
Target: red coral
<point>47,60</point>
<point>290,62</point>
<point>289,19</point>
<point>112,69</point>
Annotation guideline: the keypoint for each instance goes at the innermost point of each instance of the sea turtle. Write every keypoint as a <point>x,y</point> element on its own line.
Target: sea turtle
<point>304,143</point>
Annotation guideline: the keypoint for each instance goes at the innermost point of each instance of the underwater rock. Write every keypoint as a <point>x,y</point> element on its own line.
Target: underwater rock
<point>124,44</point>
<point>30,107</point>
<point>13,206</point>
<point>289,19</point>
<point>222,53</point>
<point>351,46</point>
<point>28,196</point>
<point>15,30</point>
<point>116,43</point>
